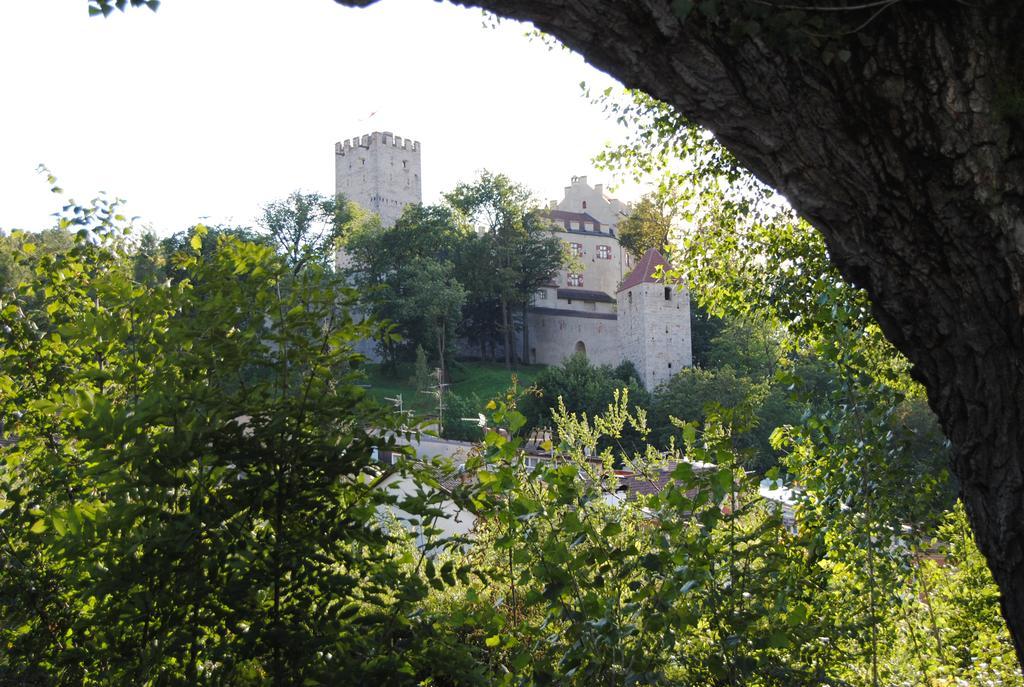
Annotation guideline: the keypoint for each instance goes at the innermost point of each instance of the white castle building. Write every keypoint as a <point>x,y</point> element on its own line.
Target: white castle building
<point>607,306</point>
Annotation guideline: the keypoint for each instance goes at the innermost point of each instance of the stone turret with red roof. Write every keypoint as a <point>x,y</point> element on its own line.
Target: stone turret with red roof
<point>654,321</point>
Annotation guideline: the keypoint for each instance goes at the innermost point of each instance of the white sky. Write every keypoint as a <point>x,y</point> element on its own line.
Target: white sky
<point>210,108</point>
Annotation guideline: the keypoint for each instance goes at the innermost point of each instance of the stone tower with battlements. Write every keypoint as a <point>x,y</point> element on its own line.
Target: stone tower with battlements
<point>380,172</point>
<point>654,322</point>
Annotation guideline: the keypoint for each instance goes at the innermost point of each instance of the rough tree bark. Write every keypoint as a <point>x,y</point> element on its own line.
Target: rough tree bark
<point>909,158</point>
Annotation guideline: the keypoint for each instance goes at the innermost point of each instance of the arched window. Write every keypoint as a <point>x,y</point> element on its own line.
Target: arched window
<point>581,347</point>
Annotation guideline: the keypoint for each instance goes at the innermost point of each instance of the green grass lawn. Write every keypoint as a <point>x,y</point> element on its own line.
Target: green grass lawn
<point>485,380</point>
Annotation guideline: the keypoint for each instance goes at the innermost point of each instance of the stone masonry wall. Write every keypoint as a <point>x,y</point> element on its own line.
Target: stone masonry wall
<point>655,325</point>
<point>379,171</point>
<point>554,336</point>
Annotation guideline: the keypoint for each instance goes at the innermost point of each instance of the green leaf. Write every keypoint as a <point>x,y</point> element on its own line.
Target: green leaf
<point>797,614</point>
<point>571,523</point>
<point>611,529</point>
<point>515,421</point>
<point>683,472</point>
<point>196,242</point>
<point>446,574</point>
<point>493,641</point>
<point>723,480</point>
<point>689,434</point>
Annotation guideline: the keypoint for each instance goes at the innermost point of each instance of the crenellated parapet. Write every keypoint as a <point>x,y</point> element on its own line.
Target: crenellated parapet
<point>375,140</point>
<point>379,171</point>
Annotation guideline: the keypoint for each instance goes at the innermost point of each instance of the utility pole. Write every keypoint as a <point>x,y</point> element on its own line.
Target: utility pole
<point>397,400</point>
<point>437,392</point>
<point>406,415</point>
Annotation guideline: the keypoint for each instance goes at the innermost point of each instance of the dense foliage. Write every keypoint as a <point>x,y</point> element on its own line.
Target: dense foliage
<point>467,267</point>
<point>188,496</point>
<point>765,58</point>
<point>187,493</point>
<point>650,223</point>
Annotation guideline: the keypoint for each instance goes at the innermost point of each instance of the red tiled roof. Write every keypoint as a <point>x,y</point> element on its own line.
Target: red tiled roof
<point>644,270</point>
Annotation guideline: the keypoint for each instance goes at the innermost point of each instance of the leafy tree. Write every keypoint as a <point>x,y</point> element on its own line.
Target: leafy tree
<point>427,299</point>
<point>951,617</point>
<point>305,228</point>
<point>458,407</point>
<point>751,347</point>
<point>191,498</point>
<point>520,251</point>
<point>160,263</point>
<point>579,387</point>
<point>190,495</point>
<point>407,277</point>
<point>46,242</point>
<point>421,378</point>
<point>422,231</point>
<point>693,393</point>
<point>704,327</point>
<point>650,223</point>
<point>481,316</point>
<point>146,259</point>
<point>688,578</point>
<point>585,587</point>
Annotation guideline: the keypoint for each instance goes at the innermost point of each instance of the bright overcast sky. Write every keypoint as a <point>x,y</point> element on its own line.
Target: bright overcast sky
<point>210,108</point>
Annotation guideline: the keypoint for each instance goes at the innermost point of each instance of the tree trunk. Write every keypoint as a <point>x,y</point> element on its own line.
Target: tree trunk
<point>442,363</point>
<point>906,151</point>
<point>526,337</point>
<point>512,340</point>
<point>506,334</point>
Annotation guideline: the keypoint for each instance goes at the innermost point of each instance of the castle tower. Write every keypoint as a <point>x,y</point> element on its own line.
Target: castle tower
<point>654,322</point>
<point>379,171</point>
